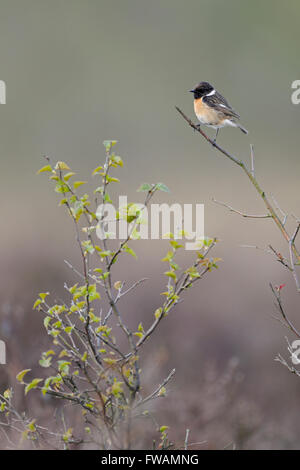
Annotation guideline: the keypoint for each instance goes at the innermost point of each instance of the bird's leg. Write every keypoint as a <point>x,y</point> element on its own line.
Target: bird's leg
<point>215,139</point>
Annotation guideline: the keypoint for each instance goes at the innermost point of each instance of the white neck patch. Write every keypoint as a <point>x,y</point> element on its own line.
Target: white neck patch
<point>211,93</point>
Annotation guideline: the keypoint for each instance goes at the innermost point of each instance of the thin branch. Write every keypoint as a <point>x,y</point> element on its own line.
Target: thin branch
<point>295,233</point>
<point>282,361</point>
<point>186,439</point>
<point>252,160</point>
<point>280,258</point>
<point>213,143</point>
<point>284,215</point>
<point>157,390</point>
<point>281,310</point>
<point>266,216</point>
<point>253,180</point>
<point>293,265</point>
<point>137,283</point>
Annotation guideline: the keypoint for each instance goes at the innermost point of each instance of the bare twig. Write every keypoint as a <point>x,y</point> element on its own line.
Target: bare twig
<point>284,215</point>
<point>155,394</point>
<point>280,258</point>
<point>266,216</point>
<point>186,439</point>
<point>282,312</point>
<point>253,180</point>
<point>252,160</point>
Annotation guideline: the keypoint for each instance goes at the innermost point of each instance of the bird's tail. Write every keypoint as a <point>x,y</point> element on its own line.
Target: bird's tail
<point>242,128</point>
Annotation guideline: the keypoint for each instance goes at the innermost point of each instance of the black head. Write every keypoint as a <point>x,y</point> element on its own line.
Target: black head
<point>202,89</point>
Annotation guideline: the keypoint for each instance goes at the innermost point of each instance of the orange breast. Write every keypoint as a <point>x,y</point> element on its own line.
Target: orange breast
<point>205,114</point>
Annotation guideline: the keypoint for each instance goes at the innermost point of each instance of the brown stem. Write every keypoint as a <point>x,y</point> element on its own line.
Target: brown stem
<point>253,180</point>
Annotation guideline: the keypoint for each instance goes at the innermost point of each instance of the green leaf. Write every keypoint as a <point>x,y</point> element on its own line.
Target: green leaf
<point>116,159</point>
<point>109,143</point>
<point>77,210</point>
<point>110,179</point>
<point>76,184</point>
<point>63,367</point>
<point>84,356</point>
<point>107,198</point>
<point>162,392</point>
<point>62,166</point>
<point>93,318</point>
<point>61,188</point>
<point>22,374</point>
<point>97,170</point>
<point>98,270</point>
<point>163,428</point>
<point>46,321</point>
<point>168,235</point>
<point>171,274</point>
<point>36,303</point>
<point>93,294</point>
<point>43,295</point>
<point>117,388</point>
<point>129,250</point>
<point>7,394</point>
<point>104,254</point>
<point>54,333</point>
<point>67,176</point>
<point>46,385</point>
<point>49,353</point>
<point>175,245</point>
<point>162,187</point>
<point>73,288</point>
<point>138,334</point>
<point>45,362</point>
<point>68,435</point>
<point>88,247</point>
<point>32,385</point>
<point>169,256</point>
<point>193,273</point>
<point>99,190</point>
<point>45,168</point>
<point>158,313</point>
<point>31,425</point>
<point>69,329</point>
<point>145,187</point>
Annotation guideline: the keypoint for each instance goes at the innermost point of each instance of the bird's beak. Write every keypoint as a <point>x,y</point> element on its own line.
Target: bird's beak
<point>192,91</point>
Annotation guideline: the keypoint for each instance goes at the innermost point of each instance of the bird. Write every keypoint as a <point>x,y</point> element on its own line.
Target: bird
<point>212,109</point>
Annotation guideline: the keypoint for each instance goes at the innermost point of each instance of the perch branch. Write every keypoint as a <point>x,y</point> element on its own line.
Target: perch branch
<point>253,180</point>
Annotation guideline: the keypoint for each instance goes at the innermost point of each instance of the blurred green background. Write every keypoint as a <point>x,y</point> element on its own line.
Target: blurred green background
<point>79,72</point>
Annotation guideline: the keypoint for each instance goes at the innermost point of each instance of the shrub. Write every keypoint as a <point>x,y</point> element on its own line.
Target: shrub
<point>88,367</point>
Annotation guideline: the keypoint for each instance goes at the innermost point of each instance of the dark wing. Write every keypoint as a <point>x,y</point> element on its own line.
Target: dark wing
<point>219,103</point>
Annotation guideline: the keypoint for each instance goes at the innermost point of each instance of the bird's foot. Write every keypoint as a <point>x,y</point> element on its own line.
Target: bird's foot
<point>214,142</point>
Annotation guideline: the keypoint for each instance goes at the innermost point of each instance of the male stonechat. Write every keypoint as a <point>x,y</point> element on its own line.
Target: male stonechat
<point>213,110</point>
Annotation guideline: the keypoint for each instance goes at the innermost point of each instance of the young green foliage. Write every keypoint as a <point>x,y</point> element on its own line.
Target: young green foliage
<point>88,365</point>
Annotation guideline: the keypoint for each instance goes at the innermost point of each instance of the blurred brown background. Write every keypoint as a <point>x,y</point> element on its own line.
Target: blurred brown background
<point>78,72</point>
